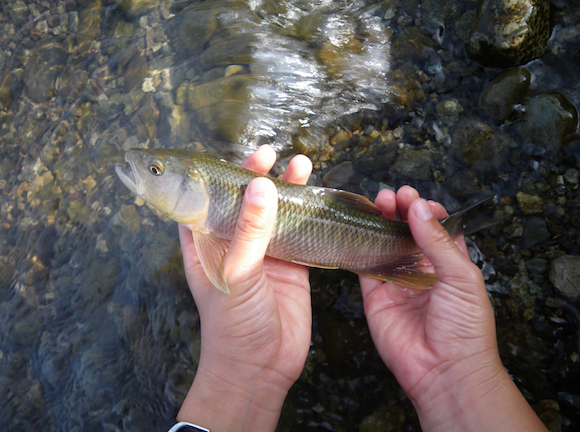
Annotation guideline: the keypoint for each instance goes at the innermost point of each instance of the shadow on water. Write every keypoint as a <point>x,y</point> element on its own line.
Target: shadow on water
<point>98,329</point>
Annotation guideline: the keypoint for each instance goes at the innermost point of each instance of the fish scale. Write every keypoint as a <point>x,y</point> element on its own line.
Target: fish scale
<point>311,228</point>
<point>316,226</point>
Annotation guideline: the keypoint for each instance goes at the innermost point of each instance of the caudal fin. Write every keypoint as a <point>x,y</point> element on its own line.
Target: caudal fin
<point>455,224</point>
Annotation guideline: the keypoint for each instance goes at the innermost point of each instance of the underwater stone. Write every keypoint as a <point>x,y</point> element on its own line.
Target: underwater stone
<point>41,70</point>
<point>414,164</point>
<point>575,218</point>
<point>549,121</point>
<point>384,419</point>
<point>503,92</point>
<point>339,175</point>
<point>135,73</point>
<point>477,145</point>
<point>565,275</point>
<point>519,289</point>
<point>535,232</point>
<point>55,368</point>
<point>505,33</point>
<point>413,43</point>
<point>549,412</point>
<point>530,204</point>
<point>449,111</point>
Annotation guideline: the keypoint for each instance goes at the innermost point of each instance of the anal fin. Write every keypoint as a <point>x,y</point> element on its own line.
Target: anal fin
<point>405,271</point>
<point>211,250</point>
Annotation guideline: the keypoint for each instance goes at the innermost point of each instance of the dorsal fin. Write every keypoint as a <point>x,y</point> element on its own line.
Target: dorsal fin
<point>350,200</point>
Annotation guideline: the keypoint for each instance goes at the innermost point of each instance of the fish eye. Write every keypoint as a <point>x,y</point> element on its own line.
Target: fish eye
<point>156,168</point>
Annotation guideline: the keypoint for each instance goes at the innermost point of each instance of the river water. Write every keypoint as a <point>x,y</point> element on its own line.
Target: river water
<point>98,329</point>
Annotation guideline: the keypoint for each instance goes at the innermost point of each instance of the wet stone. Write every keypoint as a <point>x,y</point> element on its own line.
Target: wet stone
<point>565,275</point>
<point>449,111</point>
<point>413,43</point>
<point>549,121</point>
<point>55,368</point>
<point>575,218</point>
<point>519,289</point>
<point>477,145</point>
<point>530,204</point>
<point>384,419</point>
<point>503,92</point>
<point>537,265</point>
<point>377,157</point>
<point>549,412</point>
<point>505,33</point>
<point>46,61</point>
<point>135,72</point>
<point>535,232</point>
<point>338,176</point>
<point>415,164</point>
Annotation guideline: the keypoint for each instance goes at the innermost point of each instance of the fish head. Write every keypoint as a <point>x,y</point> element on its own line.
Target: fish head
<point>168,180</point>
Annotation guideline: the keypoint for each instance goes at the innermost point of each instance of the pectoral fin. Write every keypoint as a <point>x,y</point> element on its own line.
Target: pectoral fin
<point>211,251</point>
<point>405,271</point>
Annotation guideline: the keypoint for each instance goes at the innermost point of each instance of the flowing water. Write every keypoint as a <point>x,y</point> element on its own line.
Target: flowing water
<point>98,329</point>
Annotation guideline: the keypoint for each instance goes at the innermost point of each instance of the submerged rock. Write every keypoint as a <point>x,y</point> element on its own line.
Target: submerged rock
<point>565,275</point>
<point>414,164</point>
<point>505,33</point>
<point>477,145</point>
<point>549,122</point>
<point>40,73</point>
<point>503,92</point>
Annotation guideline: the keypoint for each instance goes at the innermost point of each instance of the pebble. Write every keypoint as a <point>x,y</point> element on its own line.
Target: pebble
<point>530,204</point>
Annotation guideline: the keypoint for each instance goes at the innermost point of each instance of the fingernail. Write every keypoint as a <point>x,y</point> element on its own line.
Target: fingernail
<point>260,192</point>
<point>422,210</point>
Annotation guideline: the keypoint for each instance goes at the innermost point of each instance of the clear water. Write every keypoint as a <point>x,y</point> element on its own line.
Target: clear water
<point>98,330</point>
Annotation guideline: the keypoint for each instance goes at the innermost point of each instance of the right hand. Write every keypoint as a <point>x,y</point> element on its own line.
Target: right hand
<point>441,343</point>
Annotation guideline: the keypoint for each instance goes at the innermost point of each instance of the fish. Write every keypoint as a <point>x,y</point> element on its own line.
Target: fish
<point>315,226</point>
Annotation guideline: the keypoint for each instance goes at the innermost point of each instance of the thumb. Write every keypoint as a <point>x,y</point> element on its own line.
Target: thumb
<point>451,265</point>
<point>243,263</point>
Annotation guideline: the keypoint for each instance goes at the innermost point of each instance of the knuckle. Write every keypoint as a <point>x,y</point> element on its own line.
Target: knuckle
<point>251,226</point>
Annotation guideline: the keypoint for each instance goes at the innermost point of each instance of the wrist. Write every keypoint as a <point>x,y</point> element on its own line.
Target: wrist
<point>481,398</point>
<point>461,396</point>
<point>237,401</point>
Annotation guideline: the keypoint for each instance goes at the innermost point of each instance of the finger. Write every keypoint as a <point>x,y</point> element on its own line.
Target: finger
<point>243,263</point>
<point>405,196</point>
<point>387,203</point>
<point>298,170</point>
<point>451,265</point>
<point>438,210</point>
<point>261,161</point>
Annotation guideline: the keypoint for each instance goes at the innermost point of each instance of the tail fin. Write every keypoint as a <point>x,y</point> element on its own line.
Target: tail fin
<point>455,223</point>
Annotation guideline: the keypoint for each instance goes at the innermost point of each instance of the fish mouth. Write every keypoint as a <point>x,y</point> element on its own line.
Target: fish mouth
<point>127,176</point>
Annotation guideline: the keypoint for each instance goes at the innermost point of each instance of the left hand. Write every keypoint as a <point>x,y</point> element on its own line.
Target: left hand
<point>254,342</point>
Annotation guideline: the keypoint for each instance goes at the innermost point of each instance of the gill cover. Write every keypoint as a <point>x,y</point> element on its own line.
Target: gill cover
<point>170,182</point>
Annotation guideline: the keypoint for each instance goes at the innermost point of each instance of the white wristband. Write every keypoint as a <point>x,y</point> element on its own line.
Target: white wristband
<point>187,427</point>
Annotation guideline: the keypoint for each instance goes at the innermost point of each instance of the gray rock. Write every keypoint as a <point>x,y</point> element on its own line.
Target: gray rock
<point>508,33</point>
<point>535,232</point>
<point>477,145</point>
<point>505,90</point>
<point>339,175</point>
<point>414,164</point>
<point>549,122</point>
<point>565,275</point>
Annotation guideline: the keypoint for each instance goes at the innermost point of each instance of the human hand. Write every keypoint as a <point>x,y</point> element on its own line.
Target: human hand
<point>254,342</point>
<point>440,343</point>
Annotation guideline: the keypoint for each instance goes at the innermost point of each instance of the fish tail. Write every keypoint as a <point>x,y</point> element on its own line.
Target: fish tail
<point>456,224</point>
